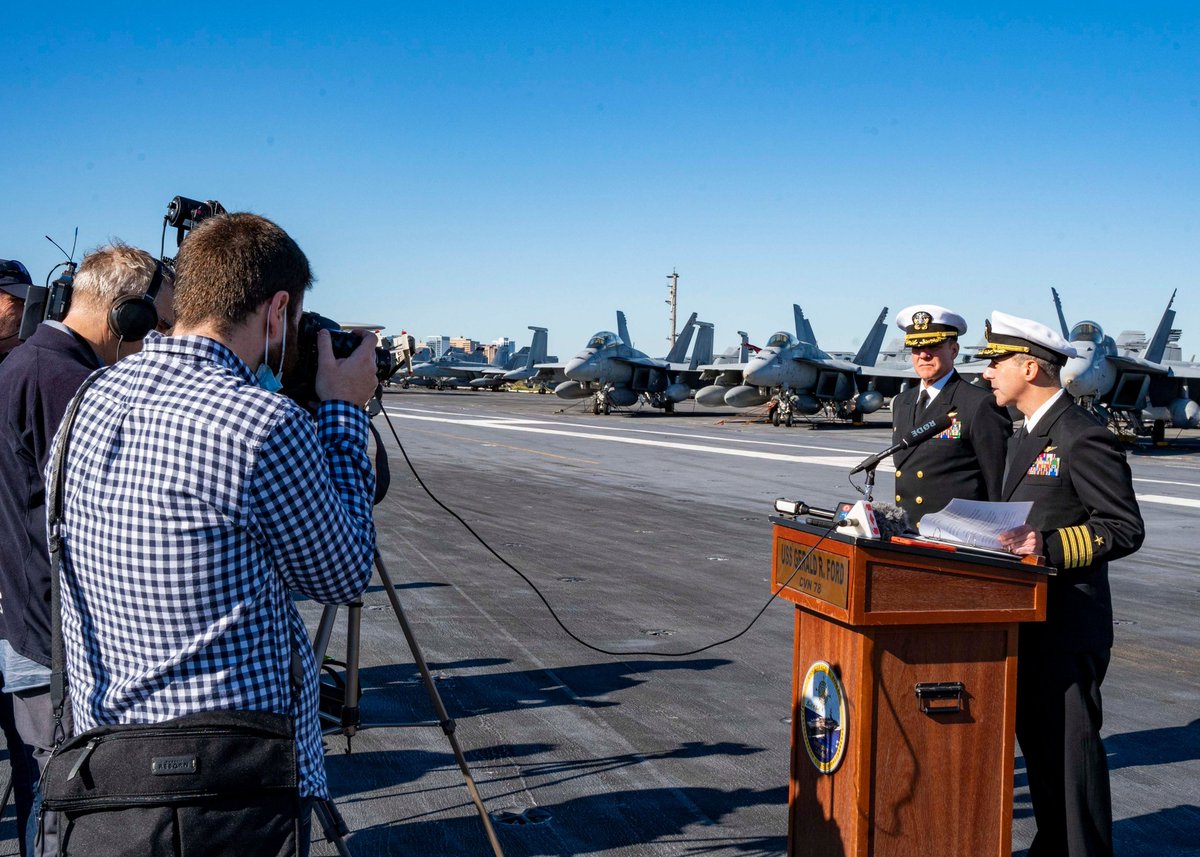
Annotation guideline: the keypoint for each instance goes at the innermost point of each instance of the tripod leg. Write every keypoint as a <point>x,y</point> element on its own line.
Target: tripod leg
<point>332,824</point>
<point>435,698</point>
<point>350,715</point>
<point>324,632</point>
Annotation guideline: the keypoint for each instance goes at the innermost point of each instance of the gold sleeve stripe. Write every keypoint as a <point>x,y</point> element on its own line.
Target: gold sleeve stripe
<point>1077,546</point>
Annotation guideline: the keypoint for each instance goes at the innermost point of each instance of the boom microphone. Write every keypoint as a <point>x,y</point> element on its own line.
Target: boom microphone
<point>922,433</point>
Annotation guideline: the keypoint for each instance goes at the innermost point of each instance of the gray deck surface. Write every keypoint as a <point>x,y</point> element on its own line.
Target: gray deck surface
<point>650,533</point>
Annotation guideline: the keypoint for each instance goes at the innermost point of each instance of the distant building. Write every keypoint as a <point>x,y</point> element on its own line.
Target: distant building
<point>462,343</point>
<point>438,345</point>
<point>500,351</point>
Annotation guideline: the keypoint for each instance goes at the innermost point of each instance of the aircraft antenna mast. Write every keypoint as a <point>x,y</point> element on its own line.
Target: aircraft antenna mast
<point>672,291</point>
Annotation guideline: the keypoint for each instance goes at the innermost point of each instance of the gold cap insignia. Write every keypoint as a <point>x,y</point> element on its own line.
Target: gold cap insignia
<point>920,320</point>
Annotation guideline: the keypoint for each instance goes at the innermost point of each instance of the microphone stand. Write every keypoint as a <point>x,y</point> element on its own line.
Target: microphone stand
<point>869,487</point>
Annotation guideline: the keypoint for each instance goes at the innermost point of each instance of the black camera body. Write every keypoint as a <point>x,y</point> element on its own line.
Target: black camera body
<point>300,380</point>
<point>184,214</point>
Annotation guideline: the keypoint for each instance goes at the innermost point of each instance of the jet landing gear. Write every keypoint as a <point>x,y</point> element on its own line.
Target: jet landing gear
<point>601,403</point>
<point>783,410</point>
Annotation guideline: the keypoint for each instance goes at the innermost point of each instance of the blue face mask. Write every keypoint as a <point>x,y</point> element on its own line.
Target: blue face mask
<point>271,381</point>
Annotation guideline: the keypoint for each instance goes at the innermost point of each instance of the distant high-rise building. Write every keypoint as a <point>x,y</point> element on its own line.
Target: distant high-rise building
<point>439,345</point>
<point>500,351</point>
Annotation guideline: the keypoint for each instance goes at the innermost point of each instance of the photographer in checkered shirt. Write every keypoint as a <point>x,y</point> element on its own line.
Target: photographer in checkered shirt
<point>197,498</point>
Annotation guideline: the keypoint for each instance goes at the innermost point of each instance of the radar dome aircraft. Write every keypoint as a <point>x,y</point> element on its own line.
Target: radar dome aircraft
<point>615,374</point>
<point>1126,389</point>
<point>801,378</point>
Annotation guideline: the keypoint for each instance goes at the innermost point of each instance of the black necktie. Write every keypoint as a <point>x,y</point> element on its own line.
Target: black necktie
<point>1014,444</point>
<point>922,402</point>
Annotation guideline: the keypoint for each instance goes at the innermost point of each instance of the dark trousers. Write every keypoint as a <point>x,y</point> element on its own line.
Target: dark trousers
<point>34,717</point>
<point>1059,716</point>
<point>23,768</point>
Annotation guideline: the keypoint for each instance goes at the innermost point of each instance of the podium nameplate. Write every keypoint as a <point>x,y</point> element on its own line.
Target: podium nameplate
<point>817,573</point>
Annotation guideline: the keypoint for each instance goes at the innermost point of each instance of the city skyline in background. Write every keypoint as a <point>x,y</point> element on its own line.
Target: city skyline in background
<point>464,168</point>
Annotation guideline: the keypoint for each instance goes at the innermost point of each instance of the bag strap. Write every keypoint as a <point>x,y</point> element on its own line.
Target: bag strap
<point>54,510</point>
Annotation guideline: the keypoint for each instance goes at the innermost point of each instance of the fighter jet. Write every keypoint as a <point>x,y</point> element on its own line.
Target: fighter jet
<point>615,374</point>
<point>518,369</point>
<point>798,376</point>
<point>453,368</point>
<point>1127,389</point>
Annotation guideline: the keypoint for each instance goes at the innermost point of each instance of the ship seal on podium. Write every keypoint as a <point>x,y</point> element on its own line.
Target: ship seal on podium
<point>824,717</point>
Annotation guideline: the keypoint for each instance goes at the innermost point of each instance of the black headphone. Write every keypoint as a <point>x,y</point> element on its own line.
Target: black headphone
<point>133,316</point>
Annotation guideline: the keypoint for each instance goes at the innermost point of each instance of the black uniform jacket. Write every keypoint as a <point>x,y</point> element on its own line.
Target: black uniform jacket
<point>966,460</point>
<point>1075,472</point>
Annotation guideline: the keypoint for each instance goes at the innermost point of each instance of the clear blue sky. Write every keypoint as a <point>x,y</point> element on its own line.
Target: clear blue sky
<point>474,168</point>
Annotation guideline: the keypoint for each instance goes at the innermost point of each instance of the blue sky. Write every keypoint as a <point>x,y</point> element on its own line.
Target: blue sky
<point>474,168</point>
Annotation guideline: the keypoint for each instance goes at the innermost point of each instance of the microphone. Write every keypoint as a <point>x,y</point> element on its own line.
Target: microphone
<point>892,521</point>
<point>929,428</point>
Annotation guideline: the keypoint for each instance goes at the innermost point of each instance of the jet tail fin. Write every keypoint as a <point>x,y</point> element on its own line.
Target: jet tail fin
<point>1062,320</point>
<point>804,331</point>
<point>679,350</point>
<point>623,329</point>
<point>1158,344</point>
<point>868,353</point>
<point>702,354</point>
<point>537,348</point>
<point>744,348</point>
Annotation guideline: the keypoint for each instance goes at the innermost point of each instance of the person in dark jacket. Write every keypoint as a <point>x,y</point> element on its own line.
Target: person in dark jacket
<point>1084,515</point>
<point>967,459</point>
<point>37,381</point>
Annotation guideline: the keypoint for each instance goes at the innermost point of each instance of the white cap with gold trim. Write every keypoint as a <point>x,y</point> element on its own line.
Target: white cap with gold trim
<point>929,324</point>
<point>1008,334</point>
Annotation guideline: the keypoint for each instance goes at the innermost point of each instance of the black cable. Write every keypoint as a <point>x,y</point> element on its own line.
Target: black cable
<point>538,592</point>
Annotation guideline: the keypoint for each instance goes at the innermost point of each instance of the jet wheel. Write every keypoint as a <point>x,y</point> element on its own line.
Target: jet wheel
<point>788,420</point>
<point>775,416</point>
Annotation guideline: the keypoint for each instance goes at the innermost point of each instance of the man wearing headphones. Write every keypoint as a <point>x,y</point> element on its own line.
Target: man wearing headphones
<point>120,294</point>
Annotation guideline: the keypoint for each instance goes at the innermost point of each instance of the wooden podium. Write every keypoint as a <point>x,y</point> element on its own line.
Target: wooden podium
<point>904,694</point>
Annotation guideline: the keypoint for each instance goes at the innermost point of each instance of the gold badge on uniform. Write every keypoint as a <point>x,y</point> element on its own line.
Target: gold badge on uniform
<point>920,320</point>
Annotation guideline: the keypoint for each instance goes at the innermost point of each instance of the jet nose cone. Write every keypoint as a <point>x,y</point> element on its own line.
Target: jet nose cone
<point>581,368</point>
<point>1076,375</point>
<point>762,372</point>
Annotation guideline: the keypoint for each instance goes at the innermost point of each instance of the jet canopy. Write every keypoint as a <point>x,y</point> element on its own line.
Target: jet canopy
<point>603,339</point>
<point>782,339</point>
<point>1087,331</point>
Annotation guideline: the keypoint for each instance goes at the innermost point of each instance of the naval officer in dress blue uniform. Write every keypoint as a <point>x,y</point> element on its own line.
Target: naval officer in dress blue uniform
<point>1084,515</point>
<point>966,460</point>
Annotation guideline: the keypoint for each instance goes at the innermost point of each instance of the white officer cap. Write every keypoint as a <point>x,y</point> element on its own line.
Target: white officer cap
<point>1007,334</point>
<point>929,324</point>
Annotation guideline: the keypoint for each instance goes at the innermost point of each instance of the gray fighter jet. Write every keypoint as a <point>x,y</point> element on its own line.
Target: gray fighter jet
<point>1127,389</point>
<point>615,374</point>
<point>794,373</point>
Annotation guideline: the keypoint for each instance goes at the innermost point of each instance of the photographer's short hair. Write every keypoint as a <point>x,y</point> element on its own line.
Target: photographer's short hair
<point>231,264</point>
<point>1052,371</point>
<point>112,272</point>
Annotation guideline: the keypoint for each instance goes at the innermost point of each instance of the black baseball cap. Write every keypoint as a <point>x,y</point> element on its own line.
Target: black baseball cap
<point>14,278</point>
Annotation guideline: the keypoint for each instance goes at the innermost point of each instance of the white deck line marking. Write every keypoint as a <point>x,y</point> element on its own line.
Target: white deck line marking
<point>527,421</point>
<point>1168,501</point>
<point>832,461</point>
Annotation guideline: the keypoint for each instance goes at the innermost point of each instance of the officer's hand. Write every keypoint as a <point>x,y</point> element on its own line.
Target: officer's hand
<point>1023,541</point>
<point>351,379</point>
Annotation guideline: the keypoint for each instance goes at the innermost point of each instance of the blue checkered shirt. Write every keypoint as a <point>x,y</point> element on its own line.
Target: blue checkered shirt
<point>194,501</point>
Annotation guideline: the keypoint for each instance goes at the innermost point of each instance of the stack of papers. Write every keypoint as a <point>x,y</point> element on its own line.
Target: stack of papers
<point>974,522</point>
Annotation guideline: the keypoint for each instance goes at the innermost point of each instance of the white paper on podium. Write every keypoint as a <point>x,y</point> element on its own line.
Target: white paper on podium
<point>974,522</point>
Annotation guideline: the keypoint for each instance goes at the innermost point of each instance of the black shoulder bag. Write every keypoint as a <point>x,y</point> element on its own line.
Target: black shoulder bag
<point>211,783</point>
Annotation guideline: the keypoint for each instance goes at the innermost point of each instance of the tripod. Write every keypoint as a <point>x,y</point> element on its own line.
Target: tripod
<point>350,720</point>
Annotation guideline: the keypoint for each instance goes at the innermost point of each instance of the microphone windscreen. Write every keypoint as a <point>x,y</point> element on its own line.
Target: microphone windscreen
<point>892,520</point>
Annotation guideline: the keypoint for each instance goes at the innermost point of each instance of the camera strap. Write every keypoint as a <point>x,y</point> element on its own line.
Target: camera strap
<point>54,508</point>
